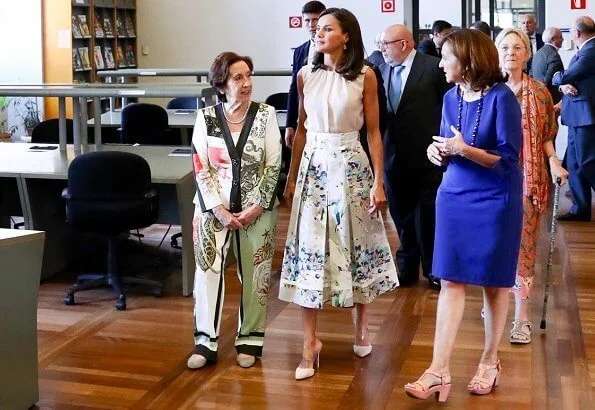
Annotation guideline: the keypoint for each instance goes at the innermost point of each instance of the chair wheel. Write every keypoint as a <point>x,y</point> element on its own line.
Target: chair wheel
<point>121,302</point>
<point>158,293</point>
<point>69,300</point>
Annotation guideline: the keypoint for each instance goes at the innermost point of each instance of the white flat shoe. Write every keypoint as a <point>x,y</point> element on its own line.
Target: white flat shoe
<point>196,361</point>
<point>245,360</point>
<point>306,372</point>
<point>362,351</point>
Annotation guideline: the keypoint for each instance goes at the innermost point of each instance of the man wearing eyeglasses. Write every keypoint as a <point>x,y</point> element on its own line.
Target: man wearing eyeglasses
<point>414,86</point>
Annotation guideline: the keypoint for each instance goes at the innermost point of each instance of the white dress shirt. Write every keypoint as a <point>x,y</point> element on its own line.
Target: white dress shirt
<point>311,52</point>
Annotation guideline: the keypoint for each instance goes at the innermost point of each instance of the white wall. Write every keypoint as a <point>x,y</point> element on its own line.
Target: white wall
<point>185,34</point>
<point>432,10</point>
<point>21,46</point>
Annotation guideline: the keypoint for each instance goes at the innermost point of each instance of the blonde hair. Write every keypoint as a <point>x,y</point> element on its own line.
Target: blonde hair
<point>511,30</point>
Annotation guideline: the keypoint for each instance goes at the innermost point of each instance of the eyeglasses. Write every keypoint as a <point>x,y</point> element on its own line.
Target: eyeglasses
<point>387,43</point>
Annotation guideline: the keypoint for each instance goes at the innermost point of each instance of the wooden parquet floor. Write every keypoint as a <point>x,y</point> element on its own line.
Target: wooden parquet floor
<point>92,356</point>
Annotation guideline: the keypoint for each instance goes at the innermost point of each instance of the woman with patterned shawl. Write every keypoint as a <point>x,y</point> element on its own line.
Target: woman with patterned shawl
<point>236,153</point>
<point>539,131</point>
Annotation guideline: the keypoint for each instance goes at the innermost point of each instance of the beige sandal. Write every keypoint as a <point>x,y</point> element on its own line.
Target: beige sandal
<point>520,332</point>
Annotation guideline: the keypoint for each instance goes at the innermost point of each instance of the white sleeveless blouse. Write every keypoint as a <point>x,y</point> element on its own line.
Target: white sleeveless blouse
<point>332,103</point>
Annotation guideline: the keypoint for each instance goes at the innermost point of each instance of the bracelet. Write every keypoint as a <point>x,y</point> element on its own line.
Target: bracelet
<point>553,156</point>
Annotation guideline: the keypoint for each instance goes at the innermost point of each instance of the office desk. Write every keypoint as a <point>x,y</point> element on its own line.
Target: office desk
<point>41,176</point>
<point>20,259</point>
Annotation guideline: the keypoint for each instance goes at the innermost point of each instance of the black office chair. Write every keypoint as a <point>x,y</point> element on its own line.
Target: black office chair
<point>109,192</point>
<point>47,132</point>
<point>278,100</point>
<point>185,103</point>
<point>147,124</point>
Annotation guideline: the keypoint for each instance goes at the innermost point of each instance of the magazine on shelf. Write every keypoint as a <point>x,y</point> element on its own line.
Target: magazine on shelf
<point>120,55</point>
<point>109,58</point>
<point>121,28</point>
<point>76,29</point>
<point>84,54</point>
<point>98,27</point>
<point>77,65</point>
<point>82,19</point>
<point>129,27</point>
<point>130,61</point>
<point>107,27</point>
<point>98,58</point>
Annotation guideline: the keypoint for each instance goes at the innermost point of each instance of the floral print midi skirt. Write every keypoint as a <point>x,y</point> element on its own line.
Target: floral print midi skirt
<point>335,251</point>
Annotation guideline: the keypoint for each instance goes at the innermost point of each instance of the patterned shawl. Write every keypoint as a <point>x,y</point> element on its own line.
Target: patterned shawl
<point>539,124</point>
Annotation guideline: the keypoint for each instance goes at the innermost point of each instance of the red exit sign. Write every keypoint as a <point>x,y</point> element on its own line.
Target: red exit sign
<point>578,4</point>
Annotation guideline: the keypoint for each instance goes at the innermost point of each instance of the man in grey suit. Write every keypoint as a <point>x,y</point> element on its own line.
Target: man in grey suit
<point>415,86</point>
<point>547,61</point>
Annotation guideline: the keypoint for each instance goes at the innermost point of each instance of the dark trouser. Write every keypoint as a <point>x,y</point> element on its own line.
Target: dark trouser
<point>412,203</point>
<point>581,167</point>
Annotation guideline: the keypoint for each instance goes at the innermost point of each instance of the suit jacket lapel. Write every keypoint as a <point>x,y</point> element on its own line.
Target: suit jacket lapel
<point>415,73</point>
<point>385,71</point>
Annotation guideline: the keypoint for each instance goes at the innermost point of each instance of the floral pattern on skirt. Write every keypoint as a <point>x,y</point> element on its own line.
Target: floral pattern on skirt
<point>335,251</point>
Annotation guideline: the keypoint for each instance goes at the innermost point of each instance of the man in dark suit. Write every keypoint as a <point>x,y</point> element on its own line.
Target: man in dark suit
<point>302,55</point>
<point>414,88</point>
<point>547,61</point>
<point>432,46</point>
<point>577,84</point>
<point>529,25</point>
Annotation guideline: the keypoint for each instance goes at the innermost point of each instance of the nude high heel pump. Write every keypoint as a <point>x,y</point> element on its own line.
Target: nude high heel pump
<point>306,372</point>
<point>362,351</point>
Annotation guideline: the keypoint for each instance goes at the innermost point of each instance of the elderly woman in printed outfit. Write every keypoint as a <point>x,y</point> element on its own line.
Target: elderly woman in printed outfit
<point>539,130</point>
<point>236,150</point>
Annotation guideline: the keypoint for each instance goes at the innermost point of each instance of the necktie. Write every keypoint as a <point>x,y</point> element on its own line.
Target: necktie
<point>394,94</point>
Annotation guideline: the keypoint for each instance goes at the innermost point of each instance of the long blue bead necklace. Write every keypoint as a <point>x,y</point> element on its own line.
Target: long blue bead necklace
<point>460,116</point>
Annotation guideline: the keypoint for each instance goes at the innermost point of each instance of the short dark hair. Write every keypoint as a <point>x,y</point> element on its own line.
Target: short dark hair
<point>313,7</point>
<point>478,57</point>
<point>219,72</point>
<point>440,25</point>
<point>353,60</point>
<point>483,27</point>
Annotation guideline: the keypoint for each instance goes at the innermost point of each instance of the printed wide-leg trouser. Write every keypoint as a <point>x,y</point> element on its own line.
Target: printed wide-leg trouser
<point>253,248</point>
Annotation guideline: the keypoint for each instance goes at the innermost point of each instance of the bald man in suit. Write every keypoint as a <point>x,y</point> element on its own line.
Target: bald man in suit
<point>415,86</point>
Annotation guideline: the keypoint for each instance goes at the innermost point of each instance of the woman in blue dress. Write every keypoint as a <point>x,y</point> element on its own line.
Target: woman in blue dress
<point>478,207</point>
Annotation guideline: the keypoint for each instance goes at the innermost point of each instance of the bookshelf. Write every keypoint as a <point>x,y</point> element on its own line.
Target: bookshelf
<point>81,41</point>
<point>61,63</point>
<point>103,38</point>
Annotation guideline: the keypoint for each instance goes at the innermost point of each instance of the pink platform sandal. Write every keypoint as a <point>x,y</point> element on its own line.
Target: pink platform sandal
<point>479,384</point>
<point>420,390</point>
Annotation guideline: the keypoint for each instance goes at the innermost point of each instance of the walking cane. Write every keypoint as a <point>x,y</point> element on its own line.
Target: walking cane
<point>548,273</point>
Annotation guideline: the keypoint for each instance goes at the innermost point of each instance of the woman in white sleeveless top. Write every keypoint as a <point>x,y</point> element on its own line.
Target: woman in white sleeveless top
<point>336,247</point>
